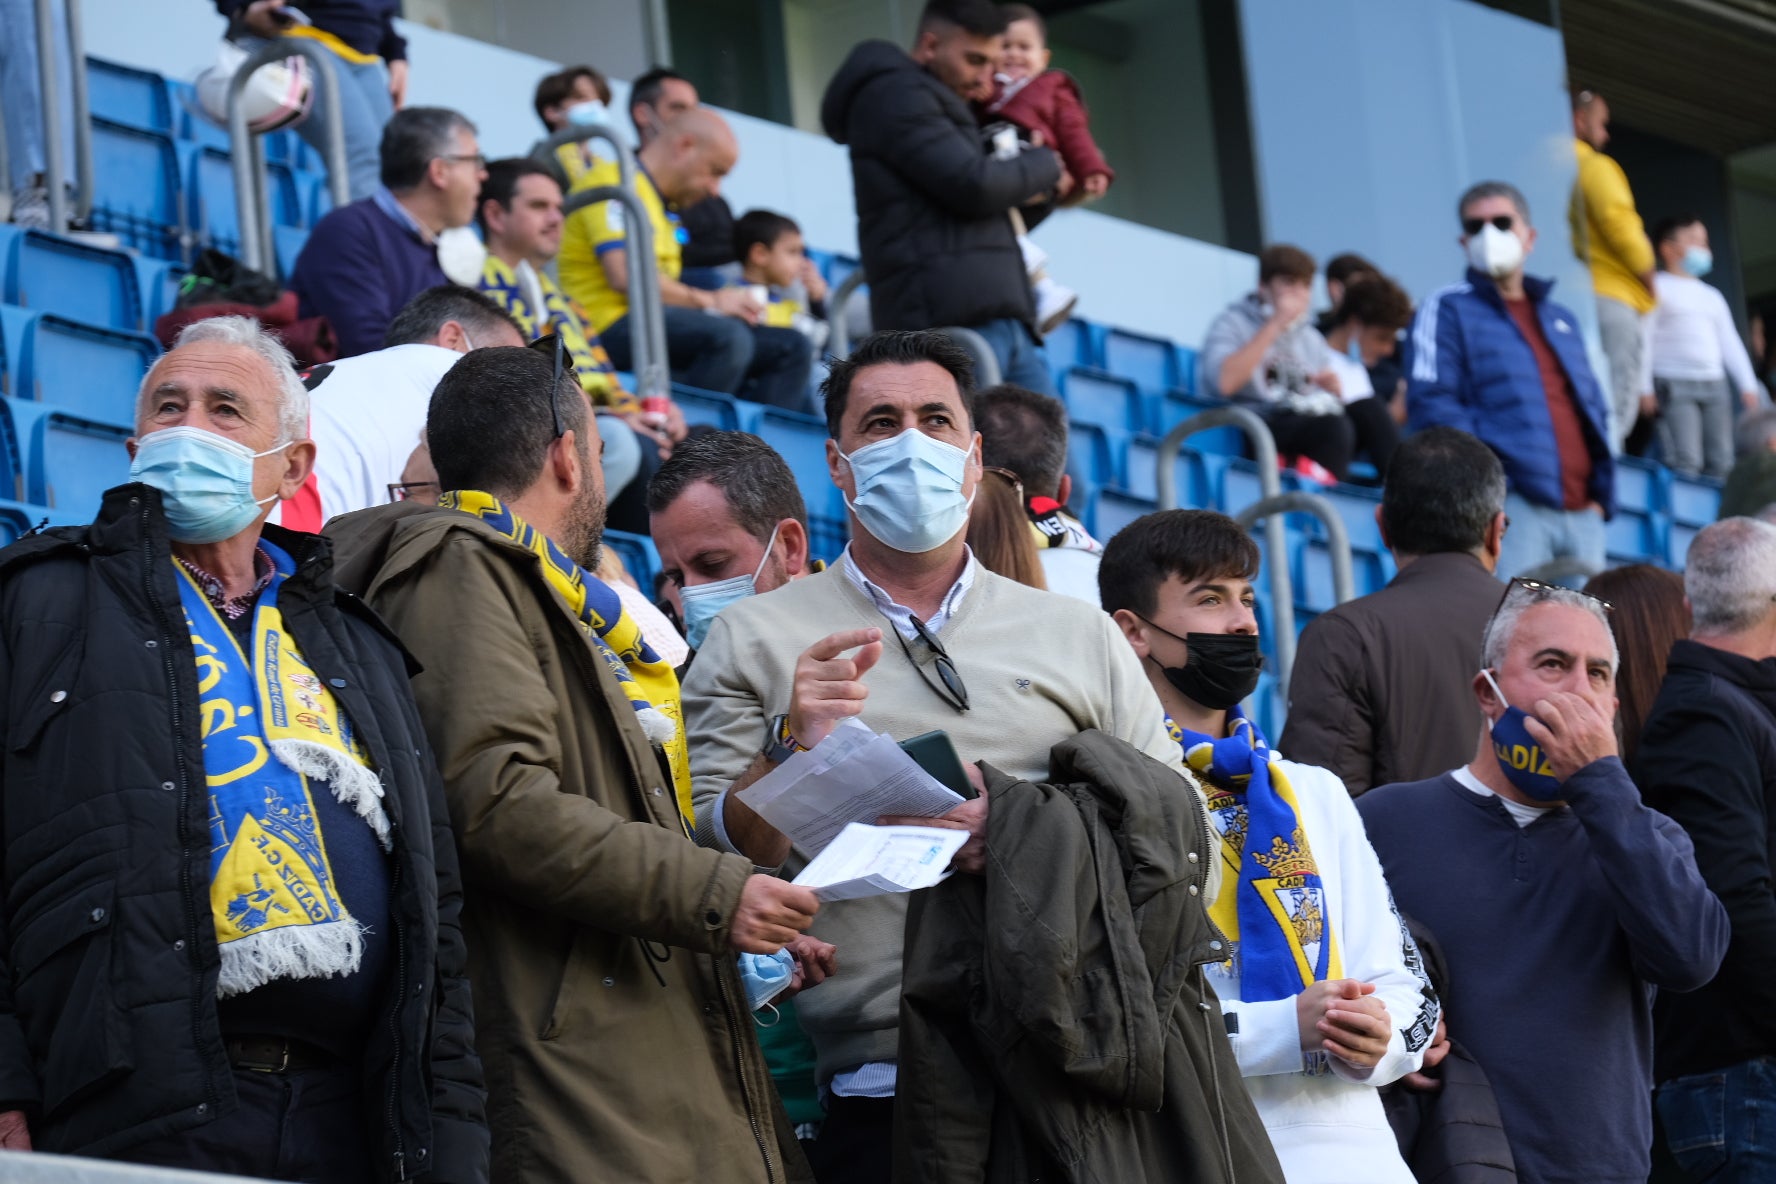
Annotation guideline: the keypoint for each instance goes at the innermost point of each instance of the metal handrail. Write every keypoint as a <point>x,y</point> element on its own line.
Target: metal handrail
<point>5,177</point>
<point>1282,584</point>
<point>647,336</point>
<point>252,199</point>
<point>986,362</point>
<point>1344,585</point>
<point>54,167</point>
<point>838,342</point>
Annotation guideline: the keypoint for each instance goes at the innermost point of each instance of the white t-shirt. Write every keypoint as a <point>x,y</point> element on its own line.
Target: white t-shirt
<point>366,418</point>
<point>1353,377</point>
<point>1520,813</point>
<point>1691,335</point>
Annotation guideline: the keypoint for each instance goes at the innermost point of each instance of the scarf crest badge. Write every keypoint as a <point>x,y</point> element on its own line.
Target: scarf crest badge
<point>270,728</point>
<point>1275,918</point>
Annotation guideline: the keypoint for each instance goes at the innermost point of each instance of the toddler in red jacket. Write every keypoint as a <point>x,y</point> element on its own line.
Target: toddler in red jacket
<point>1046,103</point>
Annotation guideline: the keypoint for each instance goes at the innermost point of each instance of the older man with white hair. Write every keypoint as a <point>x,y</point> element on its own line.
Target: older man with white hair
<point>1559,900</point>
<point>1708,759</point>
<point>229,934</point>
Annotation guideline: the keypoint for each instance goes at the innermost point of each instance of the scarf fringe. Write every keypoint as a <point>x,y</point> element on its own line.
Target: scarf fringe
<point>331,950</point>
<point>659,726</point>
<point>352,785</point>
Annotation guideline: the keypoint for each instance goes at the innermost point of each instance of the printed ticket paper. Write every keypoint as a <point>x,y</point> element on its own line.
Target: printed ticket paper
<point>877,860</point>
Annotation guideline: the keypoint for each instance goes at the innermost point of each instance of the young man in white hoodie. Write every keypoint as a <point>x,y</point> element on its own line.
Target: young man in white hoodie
<point>1324,995</point>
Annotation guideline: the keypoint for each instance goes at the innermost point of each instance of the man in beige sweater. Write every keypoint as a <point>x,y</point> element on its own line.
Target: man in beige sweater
<point>910,634</point>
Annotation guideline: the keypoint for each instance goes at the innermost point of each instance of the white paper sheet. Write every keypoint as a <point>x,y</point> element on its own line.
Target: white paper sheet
<point>854,775</point>
<point>876,860</point>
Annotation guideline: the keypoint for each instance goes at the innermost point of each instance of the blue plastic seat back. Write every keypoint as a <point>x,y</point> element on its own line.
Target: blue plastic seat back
<point>638,555</point>
<point>73,462</point>
<point>137,188</point>
<point>1191,473</point>
<point>288,242</point>
<point>71,279</point>
<point>88,372</point>
<point>1695,501</point>
<point>1094,397</point>
<point>1092,453</point>
<point>1678,537</point>
<point>16,518</point>
<point>1173,408</point>
<point>1639,484</point>
<point>722,412</point>
<point>212,199</point>
<point>1240,486</point>
<point>1632,536</point>
<point>1073,343</point>
<point>124,94</point>
<point>1115,509</point>
<point>1150,362</point>
<point>1186,369</point>
<point>1356,508</point>
<point>801,440</point>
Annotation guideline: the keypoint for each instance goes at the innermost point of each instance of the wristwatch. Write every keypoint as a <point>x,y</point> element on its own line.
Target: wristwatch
<point>780,744</point>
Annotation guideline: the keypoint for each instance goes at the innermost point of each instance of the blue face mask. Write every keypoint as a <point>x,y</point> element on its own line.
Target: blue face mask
<point>909,491</point>
<point>588,113</point>
<point>1519,754</point>
<point>1698,261</point>
<point>1353,349</point>
<point>765,976</point>
<point>205,482</point>
<point>703,601</point>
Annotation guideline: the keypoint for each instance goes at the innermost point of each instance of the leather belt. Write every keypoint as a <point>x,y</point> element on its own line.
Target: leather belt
<point>275,1054</point>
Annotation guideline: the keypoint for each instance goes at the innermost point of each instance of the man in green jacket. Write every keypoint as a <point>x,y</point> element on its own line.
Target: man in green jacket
<point>602,941</point>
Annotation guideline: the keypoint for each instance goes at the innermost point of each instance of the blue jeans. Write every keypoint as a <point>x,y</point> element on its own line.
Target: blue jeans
<point>1022,361</point>
<point>725,354</point>
<point>364,106</point>
<point>21,91</point>
<point>622,452</point>
<point>1721,1127</point>
<point>1541,533</point>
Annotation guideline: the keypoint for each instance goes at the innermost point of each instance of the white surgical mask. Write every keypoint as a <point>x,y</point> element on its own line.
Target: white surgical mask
<point>1496,252</point>
<point>703,601</point>
<point>1698,261</point>
<point>909,491</point>
<point>205,482</point>
<point>587,114</point>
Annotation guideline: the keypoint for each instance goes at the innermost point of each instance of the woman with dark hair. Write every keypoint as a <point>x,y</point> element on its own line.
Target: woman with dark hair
<point>999,531</point>
<point>1648,615</point>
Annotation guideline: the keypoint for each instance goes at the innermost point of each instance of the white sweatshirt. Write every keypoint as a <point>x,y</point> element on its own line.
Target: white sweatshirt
<point>1691,335</point>
<point>1325,1118</point>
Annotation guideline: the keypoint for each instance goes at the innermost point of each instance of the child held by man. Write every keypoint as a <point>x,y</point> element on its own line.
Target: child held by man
<point>774,264</point>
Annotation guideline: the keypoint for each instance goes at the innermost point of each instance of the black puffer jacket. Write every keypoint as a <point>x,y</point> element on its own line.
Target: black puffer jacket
<point>932,205</point>
<point>1055,1023</point>
<point>108,957</point>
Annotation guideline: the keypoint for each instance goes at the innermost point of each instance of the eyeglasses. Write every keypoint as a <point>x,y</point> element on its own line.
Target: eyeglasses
<point>1538,586</point>
<point>949,686</point>
<point>555,345</point>
<point>1009,476</point>
<point>413,491</point>
<point>1472,226</point>
<point>477,159</point>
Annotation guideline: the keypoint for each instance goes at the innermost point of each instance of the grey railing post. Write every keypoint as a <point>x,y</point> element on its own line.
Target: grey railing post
<point>1276,543</point>
<point>838,342</point>
<point>986,362</point>
<point>83,149</point>
<point>251,192</point>
<point>1344,584</point>
<point>648,334</point>
<point>48,62</point>
<point>5,178</point>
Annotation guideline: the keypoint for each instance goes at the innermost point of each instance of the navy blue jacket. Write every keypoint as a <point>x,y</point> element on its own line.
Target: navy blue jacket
<point>357,270</point>
<point>1470,367</point>
<point>1555,935</point>
<point>368,26</point>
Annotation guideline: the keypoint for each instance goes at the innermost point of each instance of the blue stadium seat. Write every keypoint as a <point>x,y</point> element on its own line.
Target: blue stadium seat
<point>1103,399</point>
<point>288,242</point>
<point>159,281</point>
<point>838,267</point>
<point>200,131</point>
<point>1240,487</point>
<point>75,367</point>
<point>1266,708</point>
<point>1693,501</point>
<point>16,518</point>
<point>1640,484</point>
<point>801,439</point>
<point>124,94</point>
<point>1186,369</point>
<point>1678,536</point>
<point>638,555</point>
<point>1356,508</point>
<point>1094,453</point>
<point>210,198</point>
<point>1632,536</point>
<point>1073,343</point>
<point>317,201</point>
<point>1150,362</point>
<point>49,273</point>
<point>136,178</point>
<point>1141,476</point>
<point>69,462</point>
<point>1114,509</point>
<point>722,412</point>
<point>1173,408</point>
<point>1314,589</point>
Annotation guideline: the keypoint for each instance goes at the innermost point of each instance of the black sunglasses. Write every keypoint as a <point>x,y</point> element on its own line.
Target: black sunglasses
<point>949,686</point>
<point>1537,586</point>
<point>410,491</point>
<point>1472,226</point>
<point>553,344</point>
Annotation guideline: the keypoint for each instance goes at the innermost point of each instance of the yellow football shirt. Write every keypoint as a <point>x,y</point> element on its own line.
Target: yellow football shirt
<point>596,229</point>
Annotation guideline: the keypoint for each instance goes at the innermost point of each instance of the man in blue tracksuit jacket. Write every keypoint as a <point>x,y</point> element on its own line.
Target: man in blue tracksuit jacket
<point>1495,357</point>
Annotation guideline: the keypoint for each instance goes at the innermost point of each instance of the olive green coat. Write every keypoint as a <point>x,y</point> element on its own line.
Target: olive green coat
<point>610,1019</point>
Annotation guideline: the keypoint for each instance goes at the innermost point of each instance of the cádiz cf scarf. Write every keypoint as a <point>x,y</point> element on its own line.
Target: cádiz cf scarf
<point>1275,918</point>
<point>646,678</point>
<point>269,726</point>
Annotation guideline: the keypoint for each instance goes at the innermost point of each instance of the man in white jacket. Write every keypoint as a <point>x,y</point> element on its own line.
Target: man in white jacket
<point>1324,994</point>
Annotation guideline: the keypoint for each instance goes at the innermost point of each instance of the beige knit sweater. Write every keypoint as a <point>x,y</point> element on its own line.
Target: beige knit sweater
<point>1039,668</point>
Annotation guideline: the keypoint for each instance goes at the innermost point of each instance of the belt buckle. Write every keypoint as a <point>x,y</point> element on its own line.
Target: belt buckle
<point>280,1067</point>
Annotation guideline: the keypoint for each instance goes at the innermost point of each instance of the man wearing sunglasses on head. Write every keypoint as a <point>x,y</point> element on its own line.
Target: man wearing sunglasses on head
<point>1495,357</point>
<point>908,632</point>
<point>1561,902</point>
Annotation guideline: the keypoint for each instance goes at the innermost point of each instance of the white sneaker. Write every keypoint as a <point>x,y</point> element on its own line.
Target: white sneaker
<point>1055,302</point>
<point>1035,258</point>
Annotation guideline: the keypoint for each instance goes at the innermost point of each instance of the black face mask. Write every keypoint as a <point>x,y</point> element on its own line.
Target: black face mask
<point>1221,670</point>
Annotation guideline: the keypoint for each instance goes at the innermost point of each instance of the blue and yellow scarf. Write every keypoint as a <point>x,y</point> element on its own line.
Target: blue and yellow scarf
<point>646,678</point>
<point>269,726</point>
<point>1275,919</point>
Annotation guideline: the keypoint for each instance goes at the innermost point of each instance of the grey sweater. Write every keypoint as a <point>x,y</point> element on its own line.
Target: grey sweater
<point>1039,667</point>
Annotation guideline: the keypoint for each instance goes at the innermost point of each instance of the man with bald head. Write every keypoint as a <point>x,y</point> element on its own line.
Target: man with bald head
<point>732,351</point>
<point>230,934</point>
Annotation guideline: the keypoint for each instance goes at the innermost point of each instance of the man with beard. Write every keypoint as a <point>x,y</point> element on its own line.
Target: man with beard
<point>602,939</point>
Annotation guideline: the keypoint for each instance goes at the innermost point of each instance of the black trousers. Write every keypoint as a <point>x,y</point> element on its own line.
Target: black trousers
<point>856,1143</point>
<point>1334,440</point>
<point>310,1126</point>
